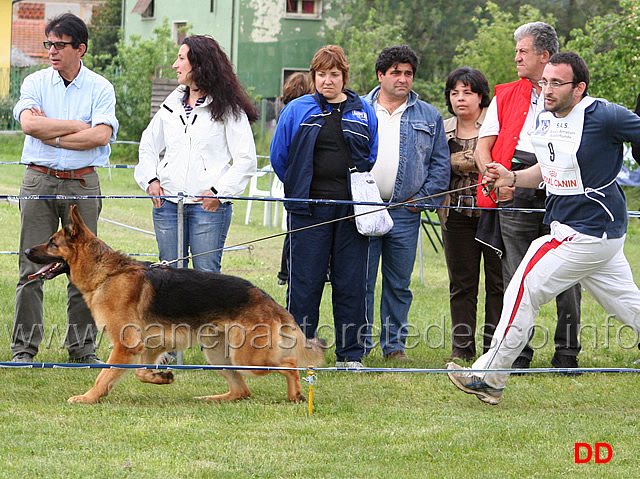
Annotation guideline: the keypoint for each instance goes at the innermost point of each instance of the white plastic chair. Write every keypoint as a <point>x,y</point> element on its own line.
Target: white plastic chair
<point>277,191</point>
<point>254,191</point>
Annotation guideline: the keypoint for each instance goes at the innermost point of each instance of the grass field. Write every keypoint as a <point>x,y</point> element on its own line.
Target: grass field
<point>367,425</point>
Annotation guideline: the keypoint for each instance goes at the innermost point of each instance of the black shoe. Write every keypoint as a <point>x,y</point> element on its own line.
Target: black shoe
<point>562,361</point>
<point>88,359</point>
<point>521,362</point>
<point>22,358</point>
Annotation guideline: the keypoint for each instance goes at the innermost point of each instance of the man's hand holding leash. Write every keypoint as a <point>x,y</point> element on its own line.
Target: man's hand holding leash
<point>497,176</point>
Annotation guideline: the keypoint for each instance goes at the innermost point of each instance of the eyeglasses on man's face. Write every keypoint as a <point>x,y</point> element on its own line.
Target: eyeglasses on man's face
<point>56,45</point>
<point>553,84</point>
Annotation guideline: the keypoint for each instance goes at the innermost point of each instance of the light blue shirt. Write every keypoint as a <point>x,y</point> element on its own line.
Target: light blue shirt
<point>89,98</point>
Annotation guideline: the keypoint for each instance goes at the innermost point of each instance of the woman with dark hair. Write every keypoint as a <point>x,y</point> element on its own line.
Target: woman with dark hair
<point>467,97</point>
<point>316,138</point>
<point>204,129</point>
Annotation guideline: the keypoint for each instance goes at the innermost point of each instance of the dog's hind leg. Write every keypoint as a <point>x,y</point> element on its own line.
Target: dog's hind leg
<point>238,388</point>
<point>153,376</point>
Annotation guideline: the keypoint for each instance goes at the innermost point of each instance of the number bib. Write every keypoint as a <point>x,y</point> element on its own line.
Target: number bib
<point>556,142</point>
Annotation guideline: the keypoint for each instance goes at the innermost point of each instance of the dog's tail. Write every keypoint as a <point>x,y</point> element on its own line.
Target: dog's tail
<point>309,352</point>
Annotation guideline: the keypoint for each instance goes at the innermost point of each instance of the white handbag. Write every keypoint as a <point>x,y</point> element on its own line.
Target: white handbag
<point>371,220</point>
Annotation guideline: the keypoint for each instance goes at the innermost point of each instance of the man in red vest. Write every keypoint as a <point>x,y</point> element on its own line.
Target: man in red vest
<point>505,138</point>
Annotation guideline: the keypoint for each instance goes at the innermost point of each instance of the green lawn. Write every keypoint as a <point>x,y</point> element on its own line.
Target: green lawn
<point>367,425</point>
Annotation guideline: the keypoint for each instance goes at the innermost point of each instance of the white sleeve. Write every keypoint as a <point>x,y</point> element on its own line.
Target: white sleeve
<point>491,124</point>
<point>243,156</point>
<point>151,145</point>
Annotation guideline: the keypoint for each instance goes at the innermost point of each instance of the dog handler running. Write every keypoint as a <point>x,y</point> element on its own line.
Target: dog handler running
<point>579,143</point>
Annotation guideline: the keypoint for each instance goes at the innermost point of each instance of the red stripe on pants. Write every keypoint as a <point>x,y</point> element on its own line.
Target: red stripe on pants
<point>544,249</point>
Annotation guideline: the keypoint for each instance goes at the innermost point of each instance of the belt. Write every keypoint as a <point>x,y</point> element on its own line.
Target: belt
<point>64,174</point>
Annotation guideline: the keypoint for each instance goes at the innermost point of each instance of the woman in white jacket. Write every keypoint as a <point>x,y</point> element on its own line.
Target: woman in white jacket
<point>204,129</point>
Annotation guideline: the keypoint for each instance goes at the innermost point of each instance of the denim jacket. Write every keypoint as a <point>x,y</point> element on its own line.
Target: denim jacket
<point>424,167</point>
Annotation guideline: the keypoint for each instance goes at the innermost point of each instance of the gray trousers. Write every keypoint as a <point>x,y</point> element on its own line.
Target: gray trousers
<point>39,220</point>
<point>519,229</point>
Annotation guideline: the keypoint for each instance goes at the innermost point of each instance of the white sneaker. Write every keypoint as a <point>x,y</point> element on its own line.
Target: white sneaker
<point>166,358</point>
<point>349,364</point>
<point>472,384</point>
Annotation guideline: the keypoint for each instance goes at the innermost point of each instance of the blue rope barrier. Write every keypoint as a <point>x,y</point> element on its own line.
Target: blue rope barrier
<point>633,214</point>
<point>213,367</point>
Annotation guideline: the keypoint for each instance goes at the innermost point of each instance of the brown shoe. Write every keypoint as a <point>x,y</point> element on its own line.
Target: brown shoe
<point>397,355</point>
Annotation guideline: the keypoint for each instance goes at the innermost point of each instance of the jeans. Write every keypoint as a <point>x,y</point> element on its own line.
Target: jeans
<point>398,252</point>
<point>39,220</point>
<point>203,231</point>
<point>518,231</point>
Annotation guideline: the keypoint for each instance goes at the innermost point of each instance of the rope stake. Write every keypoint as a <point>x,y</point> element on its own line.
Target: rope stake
<point>310,379</point>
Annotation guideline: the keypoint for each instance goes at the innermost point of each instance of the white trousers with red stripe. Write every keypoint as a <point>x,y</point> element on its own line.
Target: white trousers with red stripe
<point>552,264</point>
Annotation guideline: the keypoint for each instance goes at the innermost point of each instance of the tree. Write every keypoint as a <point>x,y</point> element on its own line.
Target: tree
<point>103,34</point>
<point>611,47</point>
<point>437,28</point>
<point>133,69</point>
<point>362,47</point>
<point>493,49</point>
<point>432,29</point>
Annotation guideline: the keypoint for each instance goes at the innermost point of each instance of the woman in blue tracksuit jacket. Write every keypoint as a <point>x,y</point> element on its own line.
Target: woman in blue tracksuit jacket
<point>306,156</point>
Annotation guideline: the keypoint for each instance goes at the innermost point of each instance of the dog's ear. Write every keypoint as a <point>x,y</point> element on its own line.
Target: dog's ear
<point>76,226</point>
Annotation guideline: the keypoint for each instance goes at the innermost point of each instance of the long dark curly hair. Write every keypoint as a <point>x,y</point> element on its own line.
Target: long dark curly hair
<point>212,72</point>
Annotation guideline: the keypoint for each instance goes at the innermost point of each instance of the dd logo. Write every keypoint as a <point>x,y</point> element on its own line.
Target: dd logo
<point>589,452</point>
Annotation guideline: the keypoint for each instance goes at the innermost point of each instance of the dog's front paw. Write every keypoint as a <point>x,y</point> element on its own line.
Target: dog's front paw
<point>84,399</point>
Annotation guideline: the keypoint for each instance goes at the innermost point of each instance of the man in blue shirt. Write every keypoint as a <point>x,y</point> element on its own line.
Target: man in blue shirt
<point>578,142</point>
<point>413,163</point>
<point>67,113</point>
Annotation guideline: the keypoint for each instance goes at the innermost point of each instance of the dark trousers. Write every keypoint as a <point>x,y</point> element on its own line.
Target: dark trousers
<point>341,246</point>
<point>283,274</point>
<point>519,229</point>
<point>39,220</point>
<point>464,254</point>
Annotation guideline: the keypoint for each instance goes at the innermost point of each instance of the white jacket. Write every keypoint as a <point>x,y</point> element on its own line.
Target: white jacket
<point>200,153</point>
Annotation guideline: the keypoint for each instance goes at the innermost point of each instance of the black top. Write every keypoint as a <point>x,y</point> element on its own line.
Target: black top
<point>330,179</point>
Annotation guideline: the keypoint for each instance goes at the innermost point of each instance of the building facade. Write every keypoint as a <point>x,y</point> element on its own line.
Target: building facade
<point>266,40</point>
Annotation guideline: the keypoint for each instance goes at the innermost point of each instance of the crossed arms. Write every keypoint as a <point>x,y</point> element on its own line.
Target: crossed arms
<point>73,134</point>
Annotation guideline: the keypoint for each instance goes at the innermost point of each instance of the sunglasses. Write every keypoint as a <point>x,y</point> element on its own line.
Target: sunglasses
<point>56,45</point>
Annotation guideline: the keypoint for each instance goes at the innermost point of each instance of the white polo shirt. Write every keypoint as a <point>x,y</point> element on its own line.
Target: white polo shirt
<point>385,168</point>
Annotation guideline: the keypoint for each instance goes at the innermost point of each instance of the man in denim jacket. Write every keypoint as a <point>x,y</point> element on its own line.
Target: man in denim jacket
<point>413,163</point>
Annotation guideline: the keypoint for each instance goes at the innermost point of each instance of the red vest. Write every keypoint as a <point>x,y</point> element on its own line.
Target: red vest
<point>513,101</point>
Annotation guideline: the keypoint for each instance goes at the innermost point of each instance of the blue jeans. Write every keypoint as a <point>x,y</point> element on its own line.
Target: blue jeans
<point>203,231</point>
<point>398,251</point>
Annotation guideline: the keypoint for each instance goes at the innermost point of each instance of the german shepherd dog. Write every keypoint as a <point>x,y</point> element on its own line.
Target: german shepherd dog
<point>146,311</point>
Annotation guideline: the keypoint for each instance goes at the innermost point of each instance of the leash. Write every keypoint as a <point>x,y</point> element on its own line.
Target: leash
<point>389,207</point>
<point>488,188</point>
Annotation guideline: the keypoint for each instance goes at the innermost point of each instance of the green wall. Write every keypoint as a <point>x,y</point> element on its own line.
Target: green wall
<point>195,12</point>
<point>268,45</point>
<point>254,33</point>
